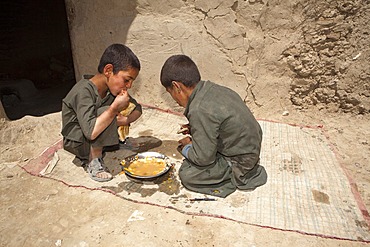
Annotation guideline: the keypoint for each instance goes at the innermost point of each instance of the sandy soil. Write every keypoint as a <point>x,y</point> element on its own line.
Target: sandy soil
<point>42,212</point>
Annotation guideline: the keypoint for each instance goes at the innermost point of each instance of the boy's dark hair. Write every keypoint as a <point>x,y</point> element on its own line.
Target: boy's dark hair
<point>120,56</point>
<point>180,68</point>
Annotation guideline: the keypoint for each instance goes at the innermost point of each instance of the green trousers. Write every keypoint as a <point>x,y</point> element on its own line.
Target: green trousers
<point>224,176</point>
<point>109,137</point>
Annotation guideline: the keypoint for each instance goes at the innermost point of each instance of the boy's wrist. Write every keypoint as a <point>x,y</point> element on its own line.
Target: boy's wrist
<point>185,150</point>
<point>112,110</point>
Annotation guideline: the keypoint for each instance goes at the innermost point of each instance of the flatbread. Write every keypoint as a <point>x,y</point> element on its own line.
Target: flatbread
<point>123,131</point>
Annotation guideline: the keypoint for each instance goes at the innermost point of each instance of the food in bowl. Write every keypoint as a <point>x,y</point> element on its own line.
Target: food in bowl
<point>145,167</point>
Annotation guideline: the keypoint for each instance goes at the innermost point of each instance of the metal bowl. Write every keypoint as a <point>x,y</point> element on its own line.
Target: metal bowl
<point>127,161</point>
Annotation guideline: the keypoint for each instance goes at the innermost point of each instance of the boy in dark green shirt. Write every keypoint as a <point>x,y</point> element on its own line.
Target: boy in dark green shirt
<point>90,111</point>
<point>222,154</point>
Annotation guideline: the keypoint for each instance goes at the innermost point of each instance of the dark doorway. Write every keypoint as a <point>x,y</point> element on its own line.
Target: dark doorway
<point>35,55</point>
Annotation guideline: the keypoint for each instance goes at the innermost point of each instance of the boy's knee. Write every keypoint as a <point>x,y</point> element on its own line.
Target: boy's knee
<point>185,173</point>
<point>80,149</point>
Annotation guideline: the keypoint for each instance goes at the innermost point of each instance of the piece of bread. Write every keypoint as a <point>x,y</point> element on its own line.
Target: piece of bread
<point>182,130</point>
<point>123,131</point>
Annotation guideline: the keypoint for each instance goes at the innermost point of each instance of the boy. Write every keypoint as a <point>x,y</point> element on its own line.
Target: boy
<point>222,154</point>
<point>90,111</point>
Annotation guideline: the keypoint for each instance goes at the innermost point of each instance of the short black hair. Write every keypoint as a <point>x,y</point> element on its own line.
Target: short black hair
<point>180,68</point>
<point>120,56</point>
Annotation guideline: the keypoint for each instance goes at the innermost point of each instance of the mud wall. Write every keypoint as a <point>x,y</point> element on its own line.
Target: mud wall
<point>330,64</point>
<point>275,54</point>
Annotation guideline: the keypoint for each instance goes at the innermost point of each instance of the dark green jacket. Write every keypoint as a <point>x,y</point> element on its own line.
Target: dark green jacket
<point>220,123</point>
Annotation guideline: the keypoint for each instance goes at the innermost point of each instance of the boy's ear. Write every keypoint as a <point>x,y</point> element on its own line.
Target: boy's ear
<point>176,86</point>
<point>108,69</point>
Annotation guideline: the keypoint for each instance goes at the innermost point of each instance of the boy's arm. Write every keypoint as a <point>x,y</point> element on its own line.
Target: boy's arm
<point>106,118</point>
<point>122,120</point>
<point>103,121</point>
<point>204,134</point>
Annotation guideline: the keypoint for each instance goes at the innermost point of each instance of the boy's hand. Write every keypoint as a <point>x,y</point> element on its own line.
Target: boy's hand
<point>185,141</point>
<point>121,101</point>
<point>122,120</point>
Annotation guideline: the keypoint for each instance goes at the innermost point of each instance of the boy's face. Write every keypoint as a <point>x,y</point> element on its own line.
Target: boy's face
<point>122,80</point>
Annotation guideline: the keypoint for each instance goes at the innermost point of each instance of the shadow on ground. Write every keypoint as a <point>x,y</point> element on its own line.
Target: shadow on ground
<point>20,98</point>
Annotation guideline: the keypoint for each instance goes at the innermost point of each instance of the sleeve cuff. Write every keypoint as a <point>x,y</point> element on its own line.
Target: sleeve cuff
<point>185,150</point>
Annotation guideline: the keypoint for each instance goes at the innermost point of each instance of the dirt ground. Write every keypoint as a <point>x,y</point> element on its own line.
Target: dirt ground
<point>311,82</point>
<point>42,212</point>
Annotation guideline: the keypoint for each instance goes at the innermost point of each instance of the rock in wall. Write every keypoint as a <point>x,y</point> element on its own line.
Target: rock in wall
<point>330,63</point>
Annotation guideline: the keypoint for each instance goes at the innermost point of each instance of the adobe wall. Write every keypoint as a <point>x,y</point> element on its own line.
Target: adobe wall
<point>275,54</point>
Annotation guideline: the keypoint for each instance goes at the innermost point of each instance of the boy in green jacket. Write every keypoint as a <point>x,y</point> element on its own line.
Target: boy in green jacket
<point>222,151</point>
<point>90,111</point>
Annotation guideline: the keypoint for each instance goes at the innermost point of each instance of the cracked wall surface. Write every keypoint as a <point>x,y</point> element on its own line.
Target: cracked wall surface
<point>275,54</point>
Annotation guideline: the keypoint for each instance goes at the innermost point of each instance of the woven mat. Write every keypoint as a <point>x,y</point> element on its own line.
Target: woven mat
<point>307,190</point>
